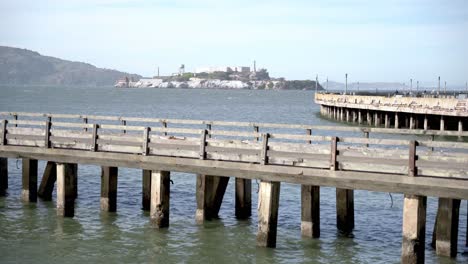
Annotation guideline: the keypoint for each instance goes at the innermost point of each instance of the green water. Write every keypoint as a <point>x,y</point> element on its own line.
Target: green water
<point>34,234</point>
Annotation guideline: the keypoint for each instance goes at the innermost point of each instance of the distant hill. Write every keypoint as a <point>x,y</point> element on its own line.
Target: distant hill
<point>25,67</point>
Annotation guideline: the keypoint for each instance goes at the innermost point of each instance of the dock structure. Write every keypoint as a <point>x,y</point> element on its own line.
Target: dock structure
<point>415,113</point>
<point>312,156</point>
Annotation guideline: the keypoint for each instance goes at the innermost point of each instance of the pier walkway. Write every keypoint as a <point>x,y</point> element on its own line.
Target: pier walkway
<point>416,164</point>
<point>426,113</point>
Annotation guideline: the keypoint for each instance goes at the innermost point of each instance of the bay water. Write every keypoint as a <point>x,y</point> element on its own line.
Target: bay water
<point>32,233</point>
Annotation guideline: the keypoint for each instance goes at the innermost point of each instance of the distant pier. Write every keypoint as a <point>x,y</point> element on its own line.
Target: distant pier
<point>442,114</point>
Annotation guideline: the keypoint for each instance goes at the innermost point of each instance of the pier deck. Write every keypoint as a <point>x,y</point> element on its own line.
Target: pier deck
<point>342,157</point>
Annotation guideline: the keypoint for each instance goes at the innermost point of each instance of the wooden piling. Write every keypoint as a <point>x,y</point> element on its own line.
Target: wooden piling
<point>3,176</point>
<point>48,181</point>
<point>345,210</point>
<point>210,192</point>
<point>109,188</point>
<point>268,202</point>
<point>243,198</point>
<point>414,229</point>
<point>66,174</point>
<point>310,211</point>
<point>425,122</point>
<point>442,123</point>
<point>146,190</point>
<point>397,122</point>
<point>387,123</point>
<point>160,193</point>
<point>359,116</point>
<point>447,227</point>
<point>29,191</point>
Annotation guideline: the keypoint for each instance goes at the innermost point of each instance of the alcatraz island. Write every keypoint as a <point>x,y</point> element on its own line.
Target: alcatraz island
<point>220,77</point>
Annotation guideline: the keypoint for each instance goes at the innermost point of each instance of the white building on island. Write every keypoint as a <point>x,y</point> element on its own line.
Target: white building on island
<point>223,69</point>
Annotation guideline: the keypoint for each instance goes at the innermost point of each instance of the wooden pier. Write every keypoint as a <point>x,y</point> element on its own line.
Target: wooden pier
<point>397,111</point>
<point>312,156</point>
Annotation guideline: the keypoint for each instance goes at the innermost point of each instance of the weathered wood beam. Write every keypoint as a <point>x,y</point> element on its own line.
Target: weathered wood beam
<point>447,227</point>
<point>210,192</point>
<point>268,203</point>
<point>66,174</point>
<point>310,211</point>
<point>414,229</point>
<point>243,198</point>
<point>160,195</point>
<point>109,188</point>
<point>49,177</point>
<point>3,176</point>
<point>146,190</point>
<point>372,181</point>
<point>29,191</point>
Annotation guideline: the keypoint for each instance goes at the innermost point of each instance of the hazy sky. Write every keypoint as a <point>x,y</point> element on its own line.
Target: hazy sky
<point>370,40</point>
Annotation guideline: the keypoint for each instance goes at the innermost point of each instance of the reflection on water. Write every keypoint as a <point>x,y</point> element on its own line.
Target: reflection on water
<point>33,233</point>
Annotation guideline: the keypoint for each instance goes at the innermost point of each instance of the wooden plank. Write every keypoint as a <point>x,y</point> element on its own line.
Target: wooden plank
<point>442,144</point>
<point>70,133</point>
<point>85,126</point>
<point>37,131</point>
<point>26,122</point>
<point>120,127</point>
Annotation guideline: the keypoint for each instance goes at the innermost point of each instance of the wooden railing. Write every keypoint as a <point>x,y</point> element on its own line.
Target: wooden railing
<point>264,144</point>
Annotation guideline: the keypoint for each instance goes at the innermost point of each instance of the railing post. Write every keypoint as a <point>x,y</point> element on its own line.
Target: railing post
<point>333,153</point>
<point>146,139</point>
<point>412,169</point>
<point>202,153</point>
<point>366,135</point>
<point>124,123</point>
<point>15,117</point>
<point>256,131</point>
<point>94,143</point>
<point>309,133</point>
<point>85,121</point>
<point>164,125</point>
<point>47,132</point>
<point>3,139</point>
<point>264,153</point>
<point>208,127</point>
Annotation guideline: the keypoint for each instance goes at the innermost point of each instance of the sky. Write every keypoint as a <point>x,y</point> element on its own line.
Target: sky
<point>372,41</point>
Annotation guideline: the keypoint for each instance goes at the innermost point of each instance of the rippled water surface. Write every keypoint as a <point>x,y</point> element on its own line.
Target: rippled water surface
<point>32,233</point>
